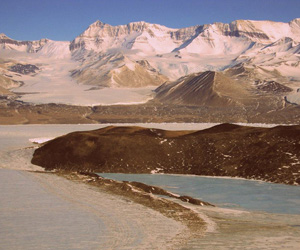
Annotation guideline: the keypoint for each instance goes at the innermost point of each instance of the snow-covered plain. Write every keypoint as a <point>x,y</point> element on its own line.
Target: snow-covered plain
<point>38,214</point>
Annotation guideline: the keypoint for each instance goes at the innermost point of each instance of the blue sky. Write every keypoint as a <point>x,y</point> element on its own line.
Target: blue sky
<point>66,19</point>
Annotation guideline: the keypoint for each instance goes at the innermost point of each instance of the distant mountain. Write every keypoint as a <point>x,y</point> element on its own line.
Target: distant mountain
<point>43,47</point>
<point>157,39</point>
<point>178,52</point>
<point>142,54</point>
<point>24,46</point>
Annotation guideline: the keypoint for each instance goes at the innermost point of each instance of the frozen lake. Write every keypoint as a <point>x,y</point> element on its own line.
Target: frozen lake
<point>225,192</point>
<point>249,214</point>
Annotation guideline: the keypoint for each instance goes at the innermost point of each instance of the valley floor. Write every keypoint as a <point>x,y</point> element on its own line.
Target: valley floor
<point>14,112</point>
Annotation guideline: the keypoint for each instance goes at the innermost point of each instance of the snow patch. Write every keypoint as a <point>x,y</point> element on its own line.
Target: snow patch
<point>41,140</point>
<point>157,170</point>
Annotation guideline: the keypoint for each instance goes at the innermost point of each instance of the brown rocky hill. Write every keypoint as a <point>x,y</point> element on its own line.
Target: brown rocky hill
<point>204,89</point>
<point>270,154</point>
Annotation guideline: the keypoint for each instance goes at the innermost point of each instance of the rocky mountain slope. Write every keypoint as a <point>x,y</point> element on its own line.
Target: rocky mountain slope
<point>204,89</point>
<point>270,154</point>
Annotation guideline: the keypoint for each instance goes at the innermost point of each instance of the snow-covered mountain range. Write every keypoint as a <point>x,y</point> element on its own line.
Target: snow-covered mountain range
<point>143,55</point>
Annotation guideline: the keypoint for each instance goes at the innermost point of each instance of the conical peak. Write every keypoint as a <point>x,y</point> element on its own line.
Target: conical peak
<point>208,74</point>
<point>200,79</point>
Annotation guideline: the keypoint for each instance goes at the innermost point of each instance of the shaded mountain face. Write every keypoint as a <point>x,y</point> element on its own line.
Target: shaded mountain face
<point>142,54</point>
<point>204,89</point>
<point>271,154</point>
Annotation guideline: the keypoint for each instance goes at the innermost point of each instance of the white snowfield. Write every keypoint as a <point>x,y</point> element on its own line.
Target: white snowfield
<point>105,60</point>
<point>35,214</point>
<point>40,140</point>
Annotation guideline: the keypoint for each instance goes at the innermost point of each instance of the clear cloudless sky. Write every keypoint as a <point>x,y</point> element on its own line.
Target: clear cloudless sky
<point>65,19</point>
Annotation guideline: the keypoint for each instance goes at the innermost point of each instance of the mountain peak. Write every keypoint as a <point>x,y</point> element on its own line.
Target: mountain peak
<point>98,23</point>
<point>3,36</point>
<point>139,22</point>
<point>295,21</point>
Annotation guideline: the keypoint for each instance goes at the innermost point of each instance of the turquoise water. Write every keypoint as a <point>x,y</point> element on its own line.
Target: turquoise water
<point>226,193</point>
